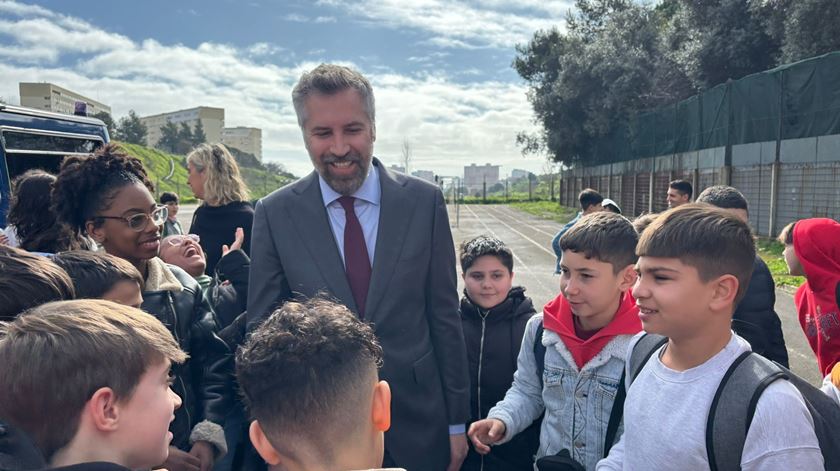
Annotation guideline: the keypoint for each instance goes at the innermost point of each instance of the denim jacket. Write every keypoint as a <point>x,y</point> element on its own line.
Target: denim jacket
<point>577,403</point>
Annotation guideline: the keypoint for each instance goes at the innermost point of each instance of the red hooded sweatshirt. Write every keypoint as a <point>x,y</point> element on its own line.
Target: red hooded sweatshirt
<point>817,245</point>
<point>557,317</point>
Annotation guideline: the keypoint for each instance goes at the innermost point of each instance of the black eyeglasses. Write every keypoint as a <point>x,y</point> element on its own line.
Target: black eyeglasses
<point>140,221</point>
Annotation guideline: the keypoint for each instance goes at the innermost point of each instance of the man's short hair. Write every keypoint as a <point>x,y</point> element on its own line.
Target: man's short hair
<point>57,355</point>
<point>683,186</point>
<point>169,196</point>
<point>723,196</point>
<point>307,373</point>
<point>589,197</point>
<point>28,280</point>
<point>604,236</point>
<point>483,245</point>
<point>329,79</point>
<point>710,239</point>
<point>95,273</point>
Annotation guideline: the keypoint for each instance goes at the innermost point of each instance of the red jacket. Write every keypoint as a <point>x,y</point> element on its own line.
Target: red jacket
<point>817,245</point>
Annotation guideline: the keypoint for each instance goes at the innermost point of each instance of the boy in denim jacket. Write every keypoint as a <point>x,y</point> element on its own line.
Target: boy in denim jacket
<point>587,331</point>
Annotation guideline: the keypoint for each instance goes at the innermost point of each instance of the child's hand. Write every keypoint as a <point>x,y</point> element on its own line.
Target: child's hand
<point>239,238</point>
<point>835,375</point>
<point>204,452</point>
<point>484,433</point>
<point>181,461</point>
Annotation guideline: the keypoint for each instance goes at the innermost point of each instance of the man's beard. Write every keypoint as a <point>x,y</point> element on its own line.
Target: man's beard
<point>343,185</point>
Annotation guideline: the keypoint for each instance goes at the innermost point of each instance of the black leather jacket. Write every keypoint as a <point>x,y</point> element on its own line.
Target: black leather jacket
<point>188,316</point>
<point>755,318</point>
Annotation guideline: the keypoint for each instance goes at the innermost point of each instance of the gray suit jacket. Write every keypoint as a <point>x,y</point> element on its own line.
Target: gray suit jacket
<point>412,302</point>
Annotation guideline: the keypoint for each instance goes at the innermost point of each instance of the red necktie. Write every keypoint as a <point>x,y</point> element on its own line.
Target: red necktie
<point>356,260</point>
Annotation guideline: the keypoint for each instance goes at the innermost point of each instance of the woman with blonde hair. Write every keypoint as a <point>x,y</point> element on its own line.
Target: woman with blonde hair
<point>214,178</point>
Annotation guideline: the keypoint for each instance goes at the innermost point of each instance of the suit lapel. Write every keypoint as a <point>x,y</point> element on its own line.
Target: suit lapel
<point>397,209</point>
<point>312,222</point>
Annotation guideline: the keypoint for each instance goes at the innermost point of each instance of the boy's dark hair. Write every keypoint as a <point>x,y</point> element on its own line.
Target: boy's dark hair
<point>589,197</point>
<point>683,186</point>
<point>86,185</point>
<point>31,214</point>
<point>642,222</point>
<point>723,196</point>
<point>604,236</point>
<point>786,236</point>
<point>169,196</point>
<point>95,273</point>
<point>485,245</point>
<point>321,361</point>
<point>57,355</point>
<point>28,280</point>
<point>707,238</point>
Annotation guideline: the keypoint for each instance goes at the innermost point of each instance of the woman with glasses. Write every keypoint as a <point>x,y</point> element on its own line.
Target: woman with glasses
<point>215,179</point>
<point>108,196</point>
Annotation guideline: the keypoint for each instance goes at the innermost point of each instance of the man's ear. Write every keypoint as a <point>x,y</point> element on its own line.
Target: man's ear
<point>381,414</point>
<point>627,277</point>
<point>262,445</point>
<point>97,233</point>
<point>103,411</point>
<point>725,290</point>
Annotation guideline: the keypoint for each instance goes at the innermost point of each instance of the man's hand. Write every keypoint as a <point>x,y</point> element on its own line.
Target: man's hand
<point>457,451</point>
<point>181,461</point>
<point>238,240</point>
<point>204,452</point>
<point>486,432</point>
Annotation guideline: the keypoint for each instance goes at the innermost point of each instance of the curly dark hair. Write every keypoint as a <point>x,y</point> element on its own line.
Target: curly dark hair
<point>31,214</point>
<point>86,185</point>
<point>483,245</point>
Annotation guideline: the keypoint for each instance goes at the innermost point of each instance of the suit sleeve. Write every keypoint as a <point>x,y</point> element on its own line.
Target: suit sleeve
<point>267,285</point>
<point>444,323</point>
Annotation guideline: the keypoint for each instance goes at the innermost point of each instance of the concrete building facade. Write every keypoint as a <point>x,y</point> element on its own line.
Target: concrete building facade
<point>245,139</point>
<point>50,97</point>
<point>476,176</point>
<point>518,174</point>
<point>212,119</point>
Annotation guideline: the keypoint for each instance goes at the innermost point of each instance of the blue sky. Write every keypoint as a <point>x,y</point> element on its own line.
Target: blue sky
<point>440,68</point>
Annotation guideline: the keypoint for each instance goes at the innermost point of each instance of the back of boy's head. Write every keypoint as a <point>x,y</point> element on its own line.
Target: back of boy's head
<point>307,374</point>
<point>168,197</point>
<point>708,238</point>
<point>604,236</point>
<point>57,355</point>
<point>642,222</point>
<point>589,197</point>
<point>723,196</point>
<point>95,273</point>
<point>483,245</point>
<point>27,280</point>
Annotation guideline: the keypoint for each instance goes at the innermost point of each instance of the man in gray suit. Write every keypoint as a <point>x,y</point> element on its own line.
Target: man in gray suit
<point>380,243</point>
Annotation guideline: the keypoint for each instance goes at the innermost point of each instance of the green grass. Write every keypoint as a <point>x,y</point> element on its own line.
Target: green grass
<point>259,182</point>
<point>771,251</point>
<point>546,210</point>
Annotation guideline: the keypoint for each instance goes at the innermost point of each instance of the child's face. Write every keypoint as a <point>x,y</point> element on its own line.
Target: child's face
<point>591,287</point>
<point>125,292</point>
<point>794,266</point>
<point>488,281</point>
<point>672,299</point>
<point>117,237</point>
<point>145,419</point>
<point>173,208</point>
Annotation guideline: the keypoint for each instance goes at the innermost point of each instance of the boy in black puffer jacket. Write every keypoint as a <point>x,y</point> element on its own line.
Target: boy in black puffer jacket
<point>493,316</point>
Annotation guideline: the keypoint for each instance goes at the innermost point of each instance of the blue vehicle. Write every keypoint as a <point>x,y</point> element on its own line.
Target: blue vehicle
<point>32,138</point>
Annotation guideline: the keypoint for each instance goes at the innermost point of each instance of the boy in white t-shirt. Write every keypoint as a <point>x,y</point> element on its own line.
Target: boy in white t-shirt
<point>694,266</point>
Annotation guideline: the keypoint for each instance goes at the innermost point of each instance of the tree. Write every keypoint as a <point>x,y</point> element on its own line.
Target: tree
<point>130,129</point>
<point>198,135</point>
<point>168,137</point>
<point>805,28</point>
<point>406,156</point>
<point>106,118</point>
<point>185,139</point>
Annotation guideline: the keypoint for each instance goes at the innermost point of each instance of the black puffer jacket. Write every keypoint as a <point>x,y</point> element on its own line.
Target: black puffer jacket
<point>228,293</point>
<point>493,338</point>
<point>755,318</point>
<point>205,396</point>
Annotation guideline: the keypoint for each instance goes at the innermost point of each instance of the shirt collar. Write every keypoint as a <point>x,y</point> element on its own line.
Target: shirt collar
<point>370,191</point>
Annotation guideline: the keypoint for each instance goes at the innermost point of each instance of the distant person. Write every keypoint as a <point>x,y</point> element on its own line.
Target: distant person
<point>755,318</point>
<point>494,315</point>
<point>173,204</point>
<point>100,275</point>
<point>679,193</point>
<point>215,179</point>
<point>28,280</point>
<point>334,414</point>
<point>590,202</point>
<point>610,205</point>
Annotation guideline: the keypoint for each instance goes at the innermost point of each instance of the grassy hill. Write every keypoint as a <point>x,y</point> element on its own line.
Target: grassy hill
<point>157,163</point>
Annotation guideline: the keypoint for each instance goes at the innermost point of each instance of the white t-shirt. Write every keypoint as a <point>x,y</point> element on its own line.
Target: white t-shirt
<point>665,420</point>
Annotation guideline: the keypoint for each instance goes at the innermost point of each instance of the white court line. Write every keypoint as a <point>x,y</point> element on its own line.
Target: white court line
<point>516,213</point>
<point>541,246</point>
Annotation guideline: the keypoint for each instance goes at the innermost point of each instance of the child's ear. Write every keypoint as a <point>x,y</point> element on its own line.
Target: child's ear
<point>381,414</point>
<point>103,410</point>
<point>97,233</point>
<point>262,445</point>
<point>627,277</point>
<point>725,290</point>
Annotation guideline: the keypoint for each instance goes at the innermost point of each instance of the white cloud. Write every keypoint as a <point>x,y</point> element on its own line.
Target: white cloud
<point>448,124</point>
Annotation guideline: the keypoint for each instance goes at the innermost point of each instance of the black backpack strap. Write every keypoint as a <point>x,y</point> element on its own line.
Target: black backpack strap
<point>642,352</point>
<point>616,414</point>
<point>539,352</point>
<point>733,408</point>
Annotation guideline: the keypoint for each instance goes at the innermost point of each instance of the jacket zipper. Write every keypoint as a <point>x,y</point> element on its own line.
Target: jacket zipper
<point>480,361</point>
